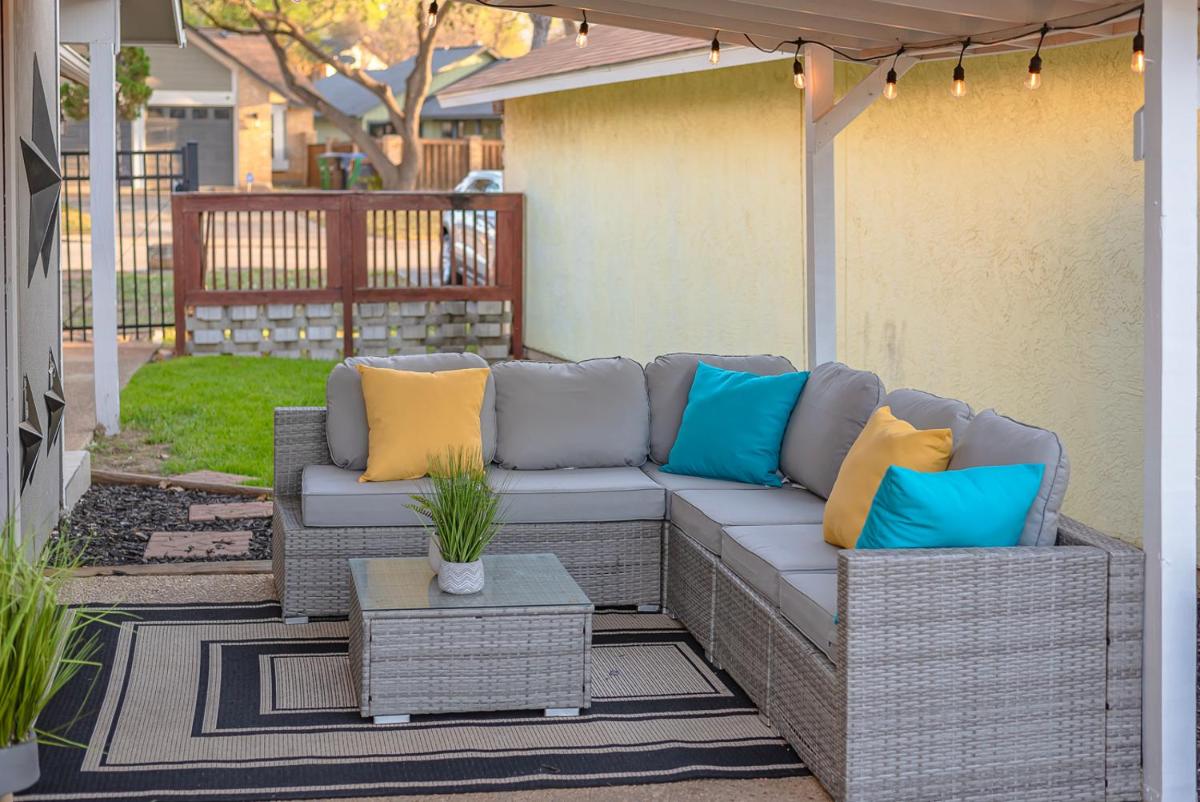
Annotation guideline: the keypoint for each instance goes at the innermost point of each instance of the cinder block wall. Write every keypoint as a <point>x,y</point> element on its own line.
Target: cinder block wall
<point>380,329</point>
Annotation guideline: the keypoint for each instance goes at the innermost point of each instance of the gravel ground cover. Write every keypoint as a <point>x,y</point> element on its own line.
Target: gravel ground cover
<point>112,523</point>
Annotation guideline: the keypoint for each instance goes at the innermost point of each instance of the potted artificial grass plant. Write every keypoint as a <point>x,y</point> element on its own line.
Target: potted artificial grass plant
<point>43,645</point>
<point>464,514</point>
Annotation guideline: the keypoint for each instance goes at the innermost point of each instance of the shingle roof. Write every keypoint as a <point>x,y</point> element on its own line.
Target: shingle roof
<point>606,45</point>
<point>352,98</point>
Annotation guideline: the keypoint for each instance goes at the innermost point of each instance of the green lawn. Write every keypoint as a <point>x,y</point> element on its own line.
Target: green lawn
<point>217,412</point>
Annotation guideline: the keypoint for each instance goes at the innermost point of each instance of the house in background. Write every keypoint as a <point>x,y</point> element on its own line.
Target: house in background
<point>450,65</point>
<point>226,93</point>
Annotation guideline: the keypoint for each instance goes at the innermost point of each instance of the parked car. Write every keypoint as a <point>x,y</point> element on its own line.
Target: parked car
<point>469,237</point>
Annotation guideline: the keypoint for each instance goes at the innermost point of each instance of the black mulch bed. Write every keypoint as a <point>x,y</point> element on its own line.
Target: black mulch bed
<point>112,523</point>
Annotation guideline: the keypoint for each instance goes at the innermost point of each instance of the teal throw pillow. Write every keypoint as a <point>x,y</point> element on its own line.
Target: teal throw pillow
<point>971,507</point>
<point>733,425</point>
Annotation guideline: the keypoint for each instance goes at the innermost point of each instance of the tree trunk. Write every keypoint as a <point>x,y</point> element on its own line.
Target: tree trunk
<point>408,122</point>
<point>541,30</point>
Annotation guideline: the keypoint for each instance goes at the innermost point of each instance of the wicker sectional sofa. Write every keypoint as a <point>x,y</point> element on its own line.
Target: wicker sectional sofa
<point>989,674</point>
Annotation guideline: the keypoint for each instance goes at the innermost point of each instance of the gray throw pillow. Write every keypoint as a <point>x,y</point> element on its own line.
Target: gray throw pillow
<point>993,439</point>
<point>591,414</point>
<point>832,411</point>
<point>346,412</point>
<point>669,380</point>
<point>928,411</point>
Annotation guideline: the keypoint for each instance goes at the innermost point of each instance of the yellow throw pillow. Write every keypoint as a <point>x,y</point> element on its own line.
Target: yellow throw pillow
<point>884,441</point>
<point>415,418</point>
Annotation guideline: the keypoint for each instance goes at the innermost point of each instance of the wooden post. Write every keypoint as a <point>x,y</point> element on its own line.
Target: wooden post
<point>1169,366</point>
<point>820,224</point>
<point>347,240</point>
<point>510,252</point>
<point>185,250</point>
<point>102,137</point>
<point>474,153</point>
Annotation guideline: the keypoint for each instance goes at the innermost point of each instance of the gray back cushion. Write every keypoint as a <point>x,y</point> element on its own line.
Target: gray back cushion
<point>928,411</point>
<point>669,380</point>
<point>346,416</point>
<point>591,414</point>
<point>992,439</point>
<point>833,409</point>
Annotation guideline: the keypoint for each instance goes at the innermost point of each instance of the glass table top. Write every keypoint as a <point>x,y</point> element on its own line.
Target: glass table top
<point>510,580</point>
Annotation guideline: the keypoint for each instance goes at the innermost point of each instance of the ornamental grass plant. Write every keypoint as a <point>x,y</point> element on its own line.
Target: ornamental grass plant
<point>43,644</point>
<point>463,510</point>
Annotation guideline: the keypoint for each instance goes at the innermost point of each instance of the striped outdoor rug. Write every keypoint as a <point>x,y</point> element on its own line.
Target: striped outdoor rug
<point>225,702</point>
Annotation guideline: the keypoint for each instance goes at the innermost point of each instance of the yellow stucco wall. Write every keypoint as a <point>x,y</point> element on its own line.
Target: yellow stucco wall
<point>990,247</point>
<point>662,215</point>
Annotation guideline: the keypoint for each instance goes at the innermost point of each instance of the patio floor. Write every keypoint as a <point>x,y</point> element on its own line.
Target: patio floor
<point>258,587</point>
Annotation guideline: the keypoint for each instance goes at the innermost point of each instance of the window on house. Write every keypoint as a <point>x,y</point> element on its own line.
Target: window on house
<point>156,111</point>
<point>449,129</point>
<point>199,114</point>
<point>178,113</point>
<point>221,113</point>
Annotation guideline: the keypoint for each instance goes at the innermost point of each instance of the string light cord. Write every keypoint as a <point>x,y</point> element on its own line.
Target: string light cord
<point>974,41</point>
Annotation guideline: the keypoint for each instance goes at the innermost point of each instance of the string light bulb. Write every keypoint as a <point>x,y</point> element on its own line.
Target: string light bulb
<point>581,38</point>
<point>797,67</point>
<point>714,50</point>
<point>958,86</point>
<point>1138,62</point>
<point>889,86</point>
<point>431,15</point>
<point>1033,79</point>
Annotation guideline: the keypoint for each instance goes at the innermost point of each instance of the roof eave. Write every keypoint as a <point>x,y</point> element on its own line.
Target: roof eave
<point>677,63</point>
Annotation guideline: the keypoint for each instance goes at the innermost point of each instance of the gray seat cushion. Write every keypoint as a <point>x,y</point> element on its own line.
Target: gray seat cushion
<point>993,439</point>
<point>592,414</point>
<point>346,412</point>
<point>674,482</point>
<point>579,495</point>
<point>669,380</point>
<point>808,599</point>
<point>928,411</point>
<point>833,409</point>
<point>334,497</point>
<point>758,554</point>
<point>702,514</point>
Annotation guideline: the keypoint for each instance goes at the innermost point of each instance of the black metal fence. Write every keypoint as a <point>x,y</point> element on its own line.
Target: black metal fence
<point>145,181</point>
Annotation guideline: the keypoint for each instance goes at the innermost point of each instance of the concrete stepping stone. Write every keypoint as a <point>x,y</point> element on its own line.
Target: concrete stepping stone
<point>197,544</point>
<point>213,477</point>
<point>201,513</point>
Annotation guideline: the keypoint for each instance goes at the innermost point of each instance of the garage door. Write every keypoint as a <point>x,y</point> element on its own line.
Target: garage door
<point>211,127</point>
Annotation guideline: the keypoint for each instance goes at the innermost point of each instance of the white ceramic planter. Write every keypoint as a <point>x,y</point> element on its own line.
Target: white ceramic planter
<point>435,555</point>
<point>19,766</point>
<point>461,578</point>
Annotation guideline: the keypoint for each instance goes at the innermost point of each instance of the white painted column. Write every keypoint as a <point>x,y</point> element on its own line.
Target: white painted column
<point>102,147</point>
<point>820,220</point>
<point>1169,517</point>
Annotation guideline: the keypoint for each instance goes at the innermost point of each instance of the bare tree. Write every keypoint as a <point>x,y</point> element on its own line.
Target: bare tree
<point>284,32</point>
<point>541,30</point>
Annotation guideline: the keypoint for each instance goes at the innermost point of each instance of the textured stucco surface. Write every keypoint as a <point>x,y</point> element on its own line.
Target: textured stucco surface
<point>663,215</point>
<point>992,250</point>
<point>989,247</point>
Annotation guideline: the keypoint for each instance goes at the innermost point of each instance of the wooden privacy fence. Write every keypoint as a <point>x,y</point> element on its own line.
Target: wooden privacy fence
<point>444,162</point>
<point>396,272</point>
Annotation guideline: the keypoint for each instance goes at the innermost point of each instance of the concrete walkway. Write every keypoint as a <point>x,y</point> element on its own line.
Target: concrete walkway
<point>78,384</point>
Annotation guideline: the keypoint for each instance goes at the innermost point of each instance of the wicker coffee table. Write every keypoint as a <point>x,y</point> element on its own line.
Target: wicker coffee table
<point>522,643</point>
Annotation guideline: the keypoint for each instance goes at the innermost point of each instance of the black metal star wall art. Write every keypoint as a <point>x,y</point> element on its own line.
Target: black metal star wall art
<point>43,178</point>
<point>55,403</point>
<point>30,431</point>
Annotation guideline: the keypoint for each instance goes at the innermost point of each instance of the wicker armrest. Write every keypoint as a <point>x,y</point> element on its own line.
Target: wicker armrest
<point>981,666</point>
<point>299,441</point>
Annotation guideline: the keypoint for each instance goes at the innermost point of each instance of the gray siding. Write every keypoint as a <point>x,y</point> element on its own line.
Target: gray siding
<point>186,69</point>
